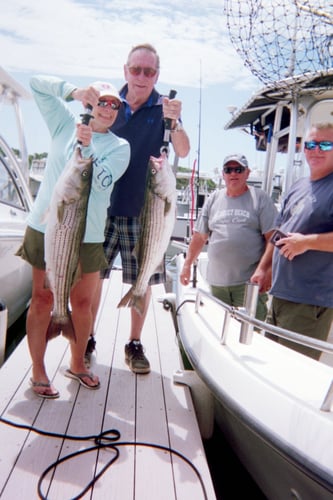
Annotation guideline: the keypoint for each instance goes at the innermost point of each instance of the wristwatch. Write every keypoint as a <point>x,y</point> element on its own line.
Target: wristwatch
<point>178,127</point>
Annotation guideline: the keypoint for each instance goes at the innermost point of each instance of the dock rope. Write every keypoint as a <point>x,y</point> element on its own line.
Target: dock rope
<point>106,439</point>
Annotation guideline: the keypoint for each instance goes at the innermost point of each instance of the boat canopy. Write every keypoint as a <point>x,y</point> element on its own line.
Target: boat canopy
<point>264,102</point>
<point>278,116</point>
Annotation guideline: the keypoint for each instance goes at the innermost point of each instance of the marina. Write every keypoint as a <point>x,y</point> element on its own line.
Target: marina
<point>222,400</point>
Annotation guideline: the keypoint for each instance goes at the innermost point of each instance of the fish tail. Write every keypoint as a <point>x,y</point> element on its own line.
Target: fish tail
<point>53,330</point>
<point>68,330</point>
<point>138,302</point>
<point>127,298</point>
<point>131,300</point>
<point>56,327</point>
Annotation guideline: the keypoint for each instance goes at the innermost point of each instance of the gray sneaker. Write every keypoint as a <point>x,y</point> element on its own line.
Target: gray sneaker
<point>135,358</point>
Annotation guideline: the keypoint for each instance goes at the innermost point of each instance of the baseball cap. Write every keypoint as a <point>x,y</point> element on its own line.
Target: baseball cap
<point>240,159</point>
<point>106,89</point>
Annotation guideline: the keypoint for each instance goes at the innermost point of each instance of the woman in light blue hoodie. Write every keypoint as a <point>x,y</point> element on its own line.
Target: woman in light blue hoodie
<point>110,155</point>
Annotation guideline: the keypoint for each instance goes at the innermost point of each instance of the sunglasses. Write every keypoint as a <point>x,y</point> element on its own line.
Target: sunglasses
<point>115,105</point>
<point>137,70</point>
<point>237,170</point>
<point>323,145</point>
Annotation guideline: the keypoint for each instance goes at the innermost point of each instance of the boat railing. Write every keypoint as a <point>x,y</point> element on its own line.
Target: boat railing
<point>14,179</point>
<point>246,315</point>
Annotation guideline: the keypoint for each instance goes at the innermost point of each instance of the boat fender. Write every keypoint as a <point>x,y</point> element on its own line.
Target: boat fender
<point>3,330</point>
<point>203,400</point>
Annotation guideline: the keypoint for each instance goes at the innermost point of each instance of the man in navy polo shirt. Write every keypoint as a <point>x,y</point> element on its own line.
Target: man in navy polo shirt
<point>141,121</point>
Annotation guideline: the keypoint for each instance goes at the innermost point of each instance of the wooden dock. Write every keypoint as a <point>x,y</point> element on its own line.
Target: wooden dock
<point>152,414</point>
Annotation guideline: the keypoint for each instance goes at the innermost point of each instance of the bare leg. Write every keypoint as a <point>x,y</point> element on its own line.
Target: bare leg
<point>82,297</point>
<point>134,353</point>
<point>96,301</point>
<point>138,319</point>
<point>38,318</point>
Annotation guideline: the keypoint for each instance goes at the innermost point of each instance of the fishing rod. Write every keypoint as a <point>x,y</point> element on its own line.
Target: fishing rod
<point>167,128</point>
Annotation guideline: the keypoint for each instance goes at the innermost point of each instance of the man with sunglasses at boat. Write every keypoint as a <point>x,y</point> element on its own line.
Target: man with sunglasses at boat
<point>302,274</point>
<point>141,123</point>
<point>238,221</point>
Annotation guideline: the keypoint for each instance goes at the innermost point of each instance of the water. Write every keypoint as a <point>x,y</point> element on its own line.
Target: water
<point>231,480</point>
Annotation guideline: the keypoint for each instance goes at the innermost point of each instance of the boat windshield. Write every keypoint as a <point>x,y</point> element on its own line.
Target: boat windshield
<point>9,190</point>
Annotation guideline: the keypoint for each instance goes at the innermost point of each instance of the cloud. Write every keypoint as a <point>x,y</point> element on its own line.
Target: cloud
<point>93,38</point>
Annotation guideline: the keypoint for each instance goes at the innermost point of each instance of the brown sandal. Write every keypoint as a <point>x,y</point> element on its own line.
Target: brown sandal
<point>80,376</point>
<point>46,394</point>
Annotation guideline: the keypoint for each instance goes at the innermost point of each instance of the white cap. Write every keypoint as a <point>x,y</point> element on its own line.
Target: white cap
<point>106,89</point>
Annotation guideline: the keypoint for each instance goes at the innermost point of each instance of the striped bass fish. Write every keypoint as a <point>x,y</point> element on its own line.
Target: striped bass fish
<point>157,220</point>
<point>64,233</point>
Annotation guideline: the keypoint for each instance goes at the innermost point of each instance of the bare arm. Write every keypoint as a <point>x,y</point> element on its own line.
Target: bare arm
<point>197,242</point>
<point>179,138</point>
<point>263,273</point>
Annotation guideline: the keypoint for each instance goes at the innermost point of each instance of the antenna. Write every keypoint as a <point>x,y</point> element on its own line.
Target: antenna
<point>199,142</point>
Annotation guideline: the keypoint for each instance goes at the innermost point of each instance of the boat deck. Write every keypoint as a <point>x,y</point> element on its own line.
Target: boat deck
<point>151,413</point>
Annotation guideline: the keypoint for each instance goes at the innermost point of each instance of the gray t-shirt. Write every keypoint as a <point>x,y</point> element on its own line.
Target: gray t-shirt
<point>236,226</point>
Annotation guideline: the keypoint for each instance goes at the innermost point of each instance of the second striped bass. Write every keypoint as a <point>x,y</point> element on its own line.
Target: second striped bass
<point>157,220</point>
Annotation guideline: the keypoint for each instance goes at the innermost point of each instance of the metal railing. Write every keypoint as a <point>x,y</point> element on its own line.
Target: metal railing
<point>248,321</point>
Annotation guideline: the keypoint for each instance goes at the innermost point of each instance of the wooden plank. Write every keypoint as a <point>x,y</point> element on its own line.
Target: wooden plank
<point>183,427</point>
<point>143,408</point>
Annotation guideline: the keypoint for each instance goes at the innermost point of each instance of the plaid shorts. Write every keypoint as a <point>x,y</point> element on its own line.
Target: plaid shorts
<point>121,235</point>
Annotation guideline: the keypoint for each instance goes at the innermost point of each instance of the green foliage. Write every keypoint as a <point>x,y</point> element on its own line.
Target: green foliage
<point>36,156</point>
<point>183,182</point>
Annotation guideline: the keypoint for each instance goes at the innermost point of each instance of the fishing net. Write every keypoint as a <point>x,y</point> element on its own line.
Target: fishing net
<point>280,39</point>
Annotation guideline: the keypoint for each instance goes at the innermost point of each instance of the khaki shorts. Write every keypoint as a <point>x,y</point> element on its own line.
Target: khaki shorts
<point>234,296</point>
<point>306,319</point>
<point>92,257</point>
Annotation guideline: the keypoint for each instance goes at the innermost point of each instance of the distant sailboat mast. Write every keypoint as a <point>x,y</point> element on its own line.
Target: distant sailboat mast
<point>199,144</point>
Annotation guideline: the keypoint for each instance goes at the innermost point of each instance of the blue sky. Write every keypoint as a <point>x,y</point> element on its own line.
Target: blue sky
<point>87,40</point>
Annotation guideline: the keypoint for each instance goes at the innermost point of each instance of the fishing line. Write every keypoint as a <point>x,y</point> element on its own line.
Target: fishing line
<point>105,440</point>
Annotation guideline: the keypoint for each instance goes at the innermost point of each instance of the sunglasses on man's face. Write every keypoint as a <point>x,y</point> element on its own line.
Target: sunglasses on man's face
<point>237,170</point>
<point>323,145</point>
<point>137,70</point>
<point>115,105</point>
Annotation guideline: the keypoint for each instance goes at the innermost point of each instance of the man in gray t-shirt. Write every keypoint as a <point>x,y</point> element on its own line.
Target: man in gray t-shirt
<point>238,221</point>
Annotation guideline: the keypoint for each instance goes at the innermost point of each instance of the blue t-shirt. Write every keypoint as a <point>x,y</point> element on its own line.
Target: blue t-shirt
<point>308,278</point>
<point>144,130</point>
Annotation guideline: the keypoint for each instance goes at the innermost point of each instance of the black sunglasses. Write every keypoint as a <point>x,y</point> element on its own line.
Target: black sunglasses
<point>237,170</point>
<point>115,105</point>
<point>323,145</point>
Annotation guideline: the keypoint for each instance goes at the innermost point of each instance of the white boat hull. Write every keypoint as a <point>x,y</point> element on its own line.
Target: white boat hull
<point>15,205</point>
<point>267,400</point>
<point>15,277</point>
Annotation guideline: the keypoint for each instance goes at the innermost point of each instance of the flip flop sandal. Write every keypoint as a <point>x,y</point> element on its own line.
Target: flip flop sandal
<point>44,394</point>
<point>80,376</point>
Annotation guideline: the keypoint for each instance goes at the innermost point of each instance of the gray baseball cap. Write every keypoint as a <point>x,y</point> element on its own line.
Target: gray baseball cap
<point>240,159</point>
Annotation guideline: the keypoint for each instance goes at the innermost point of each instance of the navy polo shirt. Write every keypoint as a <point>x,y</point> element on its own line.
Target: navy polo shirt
<point>144,130</point>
